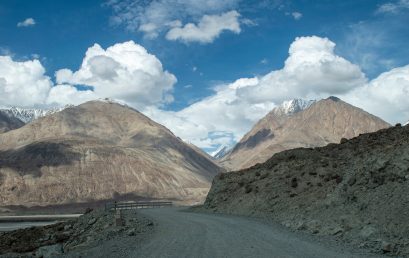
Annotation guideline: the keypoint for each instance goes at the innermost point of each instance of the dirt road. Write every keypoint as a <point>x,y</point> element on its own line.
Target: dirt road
<point>187,234</point>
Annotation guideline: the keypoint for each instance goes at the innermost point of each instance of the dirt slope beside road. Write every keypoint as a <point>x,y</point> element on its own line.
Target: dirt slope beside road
<point>357,190</point>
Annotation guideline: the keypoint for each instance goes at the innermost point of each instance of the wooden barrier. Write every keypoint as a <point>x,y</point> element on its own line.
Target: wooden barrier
<point>135,205</point>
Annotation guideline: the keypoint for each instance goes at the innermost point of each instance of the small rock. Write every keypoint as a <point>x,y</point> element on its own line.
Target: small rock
<point>45,238</point>
<point>294,182</point>
<point>67,227</point>
<point>131,232</point>
<point>92,221</point>
<point>351,181</point>
<point>387,247</point>
<point>335,231</point>
<point>49,251</point>
<point>367,231</point>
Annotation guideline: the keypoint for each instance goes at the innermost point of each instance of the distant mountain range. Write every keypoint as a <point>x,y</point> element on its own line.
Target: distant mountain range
<point>222,151</point>
<point>96,151</point>
<point>27,115</point>
<point>299,123</point>
<point>104,149</point>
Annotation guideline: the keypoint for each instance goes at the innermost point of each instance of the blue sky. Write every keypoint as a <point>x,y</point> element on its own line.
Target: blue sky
<point>369,33</point>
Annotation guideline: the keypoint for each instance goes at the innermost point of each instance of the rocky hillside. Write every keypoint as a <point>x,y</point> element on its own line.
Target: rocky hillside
<point>300,124</point>
<point>96,151</point>
<point>9,123</point>
<point>356,190</point>
<point>76,237</point>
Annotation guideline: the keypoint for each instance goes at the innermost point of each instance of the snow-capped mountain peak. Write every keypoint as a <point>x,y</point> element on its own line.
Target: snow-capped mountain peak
<point>293,106</point>
<point>29,114</point>
<point>222,151</point>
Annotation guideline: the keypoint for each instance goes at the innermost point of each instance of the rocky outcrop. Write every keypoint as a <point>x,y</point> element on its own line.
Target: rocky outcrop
<point>9,123</point>
<point>96,151</point>
<point>305,124</point>
<point>88,231</point>
<point>355,191</point>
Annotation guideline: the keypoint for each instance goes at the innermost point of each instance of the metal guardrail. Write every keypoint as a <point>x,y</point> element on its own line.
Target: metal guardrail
<point>135,205</point>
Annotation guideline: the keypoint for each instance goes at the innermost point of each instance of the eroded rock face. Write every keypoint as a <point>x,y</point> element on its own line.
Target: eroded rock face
<point>357,190</point>
<point>97,151</point>
<point>9,123</point>
<point>322,122</point>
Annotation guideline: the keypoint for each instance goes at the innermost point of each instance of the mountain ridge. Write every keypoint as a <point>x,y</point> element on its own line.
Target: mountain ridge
<point>321,122</point>
<point>99,150</point>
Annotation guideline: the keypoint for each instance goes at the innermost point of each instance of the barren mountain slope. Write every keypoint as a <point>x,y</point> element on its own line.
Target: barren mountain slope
<point>7,123</point>
<point>356,190</point>
<point>323,122</point>
<point>98,151</point>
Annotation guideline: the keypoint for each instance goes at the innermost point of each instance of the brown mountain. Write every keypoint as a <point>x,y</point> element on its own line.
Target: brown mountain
<point>9,123</point>
<point>325,121</point>
<point>96,151</point>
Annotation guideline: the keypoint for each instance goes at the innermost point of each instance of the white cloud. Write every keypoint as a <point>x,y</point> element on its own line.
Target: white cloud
<point>393,7</point>
<point>385,96</point>
<point>124,71</point>
<point>22,83</point>
<point>208,28</point>
<point>296,15</point>
<point>168,16</point>
<point>311,70</point>
<point>67,94</point>
<point>26,23</point>
<point>157,16</point>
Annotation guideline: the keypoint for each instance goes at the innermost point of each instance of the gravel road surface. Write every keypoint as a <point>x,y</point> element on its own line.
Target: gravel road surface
<point>187,234</point>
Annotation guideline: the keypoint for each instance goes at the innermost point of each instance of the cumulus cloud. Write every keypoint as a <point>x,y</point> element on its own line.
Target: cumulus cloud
<point>385,96</point>
<point>124,71</point>
<point>23,83</point>
<point>155,17</point>
<point>208,28</point>
<point>26,23</point>
<point>311,70</point>
<point>68,94</point>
